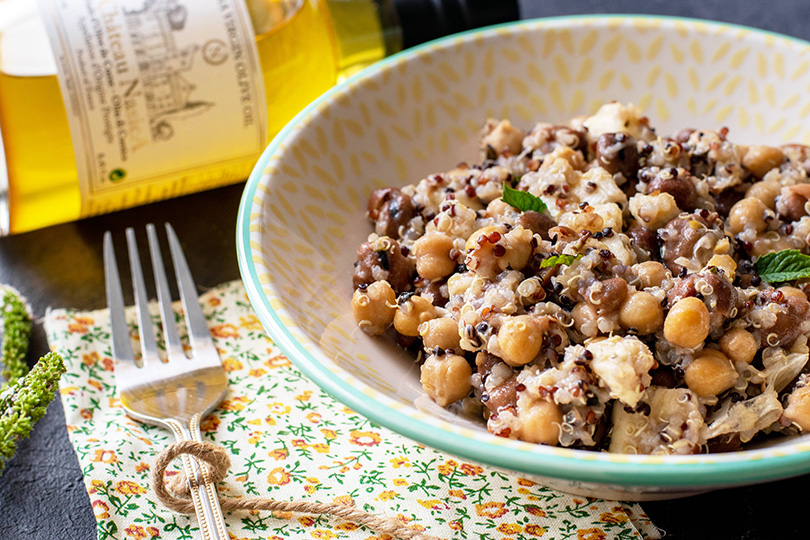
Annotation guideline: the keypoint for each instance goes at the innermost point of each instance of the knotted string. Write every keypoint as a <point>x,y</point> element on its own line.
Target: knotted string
<point>176,496</point>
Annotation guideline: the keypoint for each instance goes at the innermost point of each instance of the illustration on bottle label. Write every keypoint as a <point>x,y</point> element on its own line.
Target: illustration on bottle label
<point>155,89</point>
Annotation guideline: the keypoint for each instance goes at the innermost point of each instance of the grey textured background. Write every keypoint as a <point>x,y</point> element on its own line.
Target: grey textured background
<point>41,491</point>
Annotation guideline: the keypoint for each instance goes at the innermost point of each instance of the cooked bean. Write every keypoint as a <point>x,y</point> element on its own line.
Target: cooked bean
<point>677,183</point>
<point>739,344</point>
<point>798,409</point>
<point>390,209</point>
<point>540,422</point>
<point>761,159</point>
<point>373,307</point>
<point>644,238</point>
<point>432,253</point>
<point>412,312</point>
<point>386,263</point>
<point>536,222</point>
<point>440,332</point>
<point>521,338</point>
<point>608,295</point>
<point>502,136</point>
<point>642,312</point>
<point>651,274</point>
<point>766,191</point>
<point>747,213</point>
<point>687,323</point>
<point>446,379</point>
<point>617,153</point>
<point>710,374</point>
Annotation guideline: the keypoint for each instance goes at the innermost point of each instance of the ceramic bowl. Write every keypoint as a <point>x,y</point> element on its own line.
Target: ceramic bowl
<point>419,112</point>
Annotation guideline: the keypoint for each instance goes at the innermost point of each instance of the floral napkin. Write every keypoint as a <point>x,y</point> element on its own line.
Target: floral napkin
<point>289,440</point>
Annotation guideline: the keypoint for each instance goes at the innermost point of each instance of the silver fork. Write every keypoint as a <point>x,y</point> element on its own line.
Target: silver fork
<point>177,393</point>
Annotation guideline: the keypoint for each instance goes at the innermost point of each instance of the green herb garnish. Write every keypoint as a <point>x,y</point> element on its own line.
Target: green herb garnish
<point>522,200</point>
<point>24,402</point>
<point>557,260</point>
<point>785,265</point>
<point>16,325</point>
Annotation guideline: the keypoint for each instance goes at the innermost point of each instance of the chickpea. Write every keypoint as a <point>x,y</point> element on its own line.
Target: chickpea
<point>504,136</point>
<point>710,374</point>
<point>440,332</point>
<point>747,213</point>
<point>482,249</point>
<point>642,312</point>
<point>541,422</point>
<point>373,307</point>
<point>789,291</point>
<point>411,313</point>
<point>607,295</point>
<point>446,379</point>
<point>518,249</point>
<point>740,345</point>
<point>651,274</point>
<point>687,323</point>
<point>798,409</point>
<point>432,253</point>
<point>521,338</point>
<point>766,191</point>
<point>761,159</point>
<point>585,319</point>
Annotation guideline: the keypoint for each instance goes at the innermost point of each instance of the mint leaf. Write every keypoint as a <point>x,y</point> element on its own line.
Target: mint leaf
<point>522,200</point>
<point>560,259</point>
<point>785,265</point>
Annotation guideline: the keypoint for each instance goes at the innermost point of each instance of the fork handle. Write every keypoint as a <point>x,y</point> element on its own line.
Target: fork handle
<point>202,489</point>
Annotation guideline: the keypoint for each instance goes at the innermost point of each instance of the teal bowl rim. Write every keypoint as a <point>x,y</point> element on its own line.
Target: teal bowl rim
<point>706,470</point>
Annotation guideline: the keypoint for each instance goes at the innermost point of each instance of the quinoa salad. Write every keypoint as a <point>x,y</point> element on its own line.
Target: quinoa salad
<point>599,285</point>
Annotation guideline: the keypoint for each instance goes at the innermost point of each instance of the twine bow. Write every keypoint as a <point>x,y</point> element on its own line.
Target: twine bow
<point>174,494</point>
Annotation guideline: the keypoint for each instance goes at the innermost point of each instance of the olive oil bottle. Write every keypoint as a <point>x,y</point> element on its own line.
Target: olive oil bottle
<point>101,107</point>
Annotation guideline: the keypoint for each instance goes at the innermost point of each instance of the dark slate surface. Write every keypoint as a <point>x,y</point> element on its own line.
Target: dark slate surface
<point>41,490</point>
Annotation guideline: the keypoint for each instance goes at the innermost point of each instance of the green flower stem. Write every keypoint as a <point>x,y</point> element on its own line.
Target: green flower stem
<point>16,324</point>
<point>24,402</point>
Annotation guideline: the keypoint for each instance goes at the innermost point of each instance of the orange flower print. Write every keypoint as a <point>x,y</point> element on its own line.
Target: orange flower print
<point>431,504</point>
<point>104,456</point>
<point>329,433</point>
<point>400,461</point>
<point>400,482</point>
<point>96,486</point>
<point>535,530</point>
<point>509,529</point>
<point>87,414</point>
<point>455,525</point>
<point>277,361</point>
<point>323,534</point>
<point>235,404</point>
<point>214,301</point>
<point>346,526</point>
<point>278,408</point>
<point>90,359</point>
<point>457,493</point>
<point>306,521</point>
<point>535,510</point>
<point>471,470</point>
<point>344,499</point>
<point>251,322</point>
<point>387,495</point>
<point>108,363</point>
<point>279,454</point>
<point>255,437</point>
<point>128,487</point>
<point>141,467</point>
<point>231,364</point>
<point>491,509</point>
<point>257,372</point>
<point>526,482</point>
<point>314,417</point>
<point>591,534</point>
<point>135,531</point>
<point>95,384</point>
<point>617,515</point>
<point>278,477</point>
<point>101,509</point>
<point>227,330</point>
<point>447,468</point>
<point>153,532</point>
<point>321,448</point>
<point>209,423</point>
<point>79,325</point>
<point>305,396</point>
<point>364,438</point>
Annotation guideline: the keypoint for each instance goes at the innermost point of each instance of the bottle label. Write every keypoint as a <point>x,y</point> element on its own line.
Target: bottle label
<point>163,97</point>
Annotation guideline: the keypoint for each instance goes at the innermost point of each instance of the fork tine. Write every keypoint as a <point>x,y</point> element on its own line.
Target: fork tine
<point>121,344</point>
<point>174,348</point>
<point>199,334</point>
<point>149,347</point>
